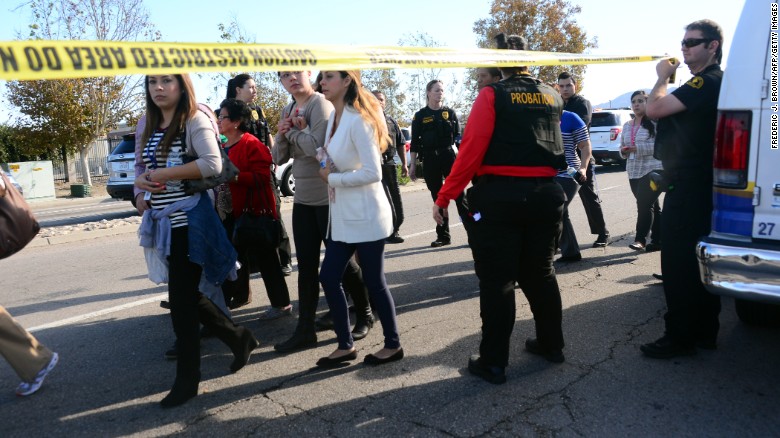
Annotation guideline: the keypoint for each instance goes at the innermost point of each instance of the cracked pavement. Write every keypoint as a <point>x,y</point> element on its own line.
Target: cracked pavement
<point>112,375</point>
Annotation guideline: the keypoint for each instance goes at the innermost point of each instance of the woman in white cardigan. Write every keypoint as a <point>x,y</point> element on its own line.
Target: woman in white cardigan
<point>360,216</point>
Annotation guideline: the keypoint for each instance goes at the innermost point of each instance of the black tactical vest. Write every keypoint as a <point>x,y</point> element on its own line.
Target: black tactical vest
<point>438,130</point>
<point>528,125</point>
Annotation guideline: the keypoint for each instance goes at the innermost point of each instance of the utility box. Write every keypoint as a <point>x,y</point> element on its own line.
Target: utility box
<point>35,177</point>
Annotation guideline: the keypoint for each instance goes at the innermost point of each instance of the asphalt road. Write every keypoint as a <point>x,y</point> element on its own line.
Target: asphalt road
<point>90,301</point>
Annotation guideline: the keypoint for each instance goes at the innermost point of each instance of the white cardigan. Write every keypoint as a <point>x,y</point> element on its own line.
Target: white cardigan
<point>360,211</point>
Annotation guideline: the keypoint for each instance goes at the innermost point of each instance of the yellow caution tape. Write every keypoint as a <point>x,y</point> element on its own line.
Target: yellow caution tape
<point>41,59</point>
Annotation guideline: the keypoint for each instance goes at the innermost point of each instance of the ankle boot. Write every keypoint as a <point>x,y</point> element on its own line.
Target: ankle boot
<point>363,324</point>
<point>183,390</point>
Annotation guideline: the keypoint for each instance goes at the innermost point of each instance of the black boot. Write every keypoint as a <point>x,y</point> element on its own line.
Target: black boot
<point>239,339</point>
<point>354,286</point>
<point>363,323</point>
<point>183,390</point>
<point>305,336</point>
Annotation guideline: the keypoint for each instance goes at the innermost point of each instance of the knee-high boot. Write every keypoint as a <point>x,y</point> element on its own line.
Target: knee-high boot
<point>354,287</point>
<point>239,339</point>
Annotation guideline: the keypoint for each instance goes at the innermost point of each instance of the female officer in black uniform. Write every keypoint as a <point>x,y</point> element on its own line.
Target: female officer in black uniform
<point>433,133</point>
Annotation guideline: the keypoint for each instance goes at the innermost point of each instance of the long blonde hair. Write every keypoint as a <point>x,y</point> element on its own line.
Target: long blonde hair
<point>367,105</point>
<point>185,110</point>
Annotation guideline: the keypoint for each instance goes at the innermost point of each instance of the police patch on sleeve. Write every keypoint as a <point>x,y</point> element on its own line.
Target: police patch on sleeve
<point>696,82</point>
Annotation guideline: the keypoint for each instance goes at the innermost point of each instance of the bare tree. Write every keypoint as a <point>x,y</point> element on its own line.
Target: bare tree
<point>58,112</point>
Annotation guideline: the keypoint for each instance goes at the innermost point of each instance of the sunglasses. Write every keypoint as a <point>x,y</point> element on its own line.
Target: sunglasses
<point>693,42</point>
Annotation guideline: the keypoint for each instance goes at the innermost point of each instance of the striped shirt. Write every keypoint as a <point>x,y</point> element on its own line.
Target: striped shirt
<point>641,162</point>
<point>174,191</point>
<point>573,131</point>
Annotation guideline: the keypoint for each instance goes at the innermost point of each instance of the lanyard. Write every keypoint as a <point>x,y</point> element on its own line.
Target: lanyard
<point>634,131</point>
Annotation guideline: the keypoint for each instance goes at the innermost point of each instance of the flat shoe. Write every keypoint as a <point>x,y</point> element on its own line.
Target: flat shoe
<point>327,362</point>
<point>373,360</point>
<point>637,246</point>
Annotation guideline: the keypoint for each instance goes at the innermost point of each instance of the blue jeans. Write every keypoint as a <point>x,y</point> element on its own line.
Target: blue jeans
<point>372,262</point>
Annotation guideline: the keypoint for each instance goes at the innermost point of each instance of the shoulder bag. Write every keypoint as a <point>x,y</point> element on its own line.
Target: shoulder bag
<point>229,170</point>
<point>251,230</point>
<point>17,223</point>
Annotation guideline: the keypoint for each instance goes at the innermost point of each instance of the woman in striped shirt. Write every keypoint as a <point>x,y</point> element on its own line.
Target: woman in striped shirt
<point>186,227</point>
<point>636,146</point>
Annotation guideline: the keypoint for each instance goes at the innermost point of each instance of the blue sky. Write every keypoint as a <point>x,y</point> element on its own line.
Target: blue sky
<point>622,28</point>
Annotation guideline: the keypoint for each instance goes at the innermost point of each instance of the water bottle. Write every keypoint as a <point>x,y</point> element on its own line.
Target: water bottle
<point>576,175</point>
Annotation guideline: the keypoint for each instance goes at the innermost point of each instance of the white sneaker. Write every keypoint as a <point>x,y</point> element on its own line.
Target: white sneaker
<point>27,388</point>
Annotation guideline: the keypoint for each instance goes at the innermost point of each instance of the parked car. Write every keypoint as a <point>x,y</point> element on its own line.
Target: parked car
<point>407,134</point>
<point>14,182</point>
<point>121,171</point>
<point>286,178</point>
<point>741,255</point>
<point>605,128</point>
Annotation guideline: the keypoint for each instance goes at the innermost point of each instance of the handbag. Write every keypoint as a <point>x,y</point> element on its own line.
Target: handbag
<point>253,230</point>
<point>229,170</point>
<point>17,223</point>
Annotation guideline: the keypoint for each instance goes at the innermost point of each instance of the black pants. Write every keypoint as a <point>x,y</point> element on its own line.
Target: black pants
<point>284,250</point>
<point>692,312</point>
<point>390,181</point>
<point>648,210</point>
<point>568,240</point>
<point>310,225</point>
<point>436,168</point>
<point>262,259</point>
<point>514,240</point>
<point>189,308</point>
<point>591,202</point>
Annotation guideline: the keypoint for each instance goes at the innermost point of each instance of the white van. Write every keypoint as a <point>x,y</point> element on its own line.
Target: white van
<point>741,256</point>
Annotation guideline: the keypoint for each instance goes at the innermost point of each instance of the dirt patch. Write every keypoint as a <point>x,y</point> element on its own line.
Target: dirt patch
<point>98,188</point>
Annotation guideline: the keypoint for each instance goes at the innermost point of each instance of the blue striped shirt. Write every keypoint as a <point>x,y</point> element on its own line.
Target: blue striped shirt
<point>573,131</point>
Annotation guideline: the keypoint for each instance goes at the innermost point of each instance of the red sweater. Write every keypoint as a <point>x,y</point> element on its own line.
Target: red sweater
<point>476,139</point>
<point>253,160</point>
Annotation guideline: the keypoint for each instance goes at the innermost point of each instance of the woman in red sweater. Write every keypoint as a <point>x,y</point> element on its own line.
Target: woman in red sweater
<point>253,160</point>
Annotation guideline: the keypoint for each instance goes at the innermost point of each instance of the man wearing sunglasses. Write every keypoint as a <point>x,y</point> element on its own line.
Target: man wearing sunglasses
<point>684,143</point>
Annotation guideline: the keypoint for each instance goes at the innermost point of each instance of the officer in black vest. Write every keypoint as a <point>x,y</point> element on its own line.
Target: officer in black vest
<point>513,145</point>
<point>434,129</point>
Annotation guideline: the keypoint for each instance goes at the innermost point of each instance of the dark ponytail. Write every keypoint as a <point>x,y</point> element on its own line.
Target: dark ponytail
<point>236,82</point>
